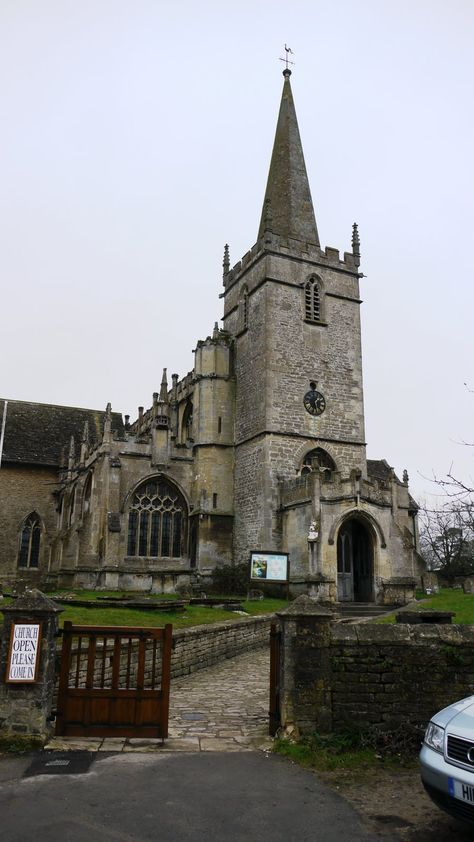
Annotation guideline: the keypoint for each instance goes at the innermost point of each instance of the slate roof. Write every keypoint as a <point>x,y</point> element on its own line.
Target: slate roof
<point>379,469</point>
<point>35,433</point>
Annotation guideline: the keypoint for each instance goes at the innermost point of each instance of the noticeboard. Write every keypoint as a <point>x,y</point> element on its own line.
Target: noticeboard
<point>24,653</point>
<point>269,567</point>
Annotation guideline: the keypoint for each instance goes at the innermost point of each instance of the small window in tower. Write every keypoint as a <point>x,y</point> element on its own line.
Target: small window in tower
<point>312,300</point>
<point>219,424</point>
<point>214,501</point>
<point>30,539</point>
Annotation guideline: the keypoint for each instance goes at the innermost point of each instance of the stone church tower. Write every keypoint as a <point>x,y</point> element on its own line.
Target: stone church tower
<point>261,446</point>
<point>293,310</point>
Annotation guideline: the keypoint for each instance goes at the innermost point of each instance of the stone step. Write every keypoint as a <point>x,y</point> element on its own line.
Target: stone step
<point>349,610</point>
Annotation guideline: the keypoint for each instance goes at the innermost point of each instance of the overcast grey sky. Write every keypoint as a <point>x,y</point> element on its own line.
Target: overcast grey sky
<point>135,141</point>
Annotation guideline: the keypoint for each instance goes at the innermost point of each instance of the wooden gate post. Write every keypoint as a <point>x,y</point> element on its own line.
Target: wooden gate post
<point>27,666</point>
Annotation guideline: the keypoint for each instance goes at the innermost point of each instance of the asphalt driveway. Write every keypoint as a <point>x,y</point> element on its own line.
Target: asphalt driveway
<point>236,797</point>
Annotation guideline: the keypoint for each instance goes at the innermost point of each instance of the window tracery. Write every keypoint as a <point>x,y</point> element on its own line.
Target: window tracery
<point>30,540</point>
<point>157,521</point>
<point>312,300</point>
<point>318,459</point>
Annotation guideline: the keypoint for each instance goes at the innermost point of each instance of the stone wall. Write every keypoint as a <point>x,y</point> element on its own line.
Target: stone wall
<point>388,675</point>
<point>25,489</point>
<point>25,706</point>
<point>367,674</point>
<point>202,646</point>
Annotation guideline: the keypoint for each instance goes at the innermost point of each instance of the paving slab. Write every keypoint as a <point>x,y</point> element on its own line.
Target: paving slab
<point>188,744</point>
<point>72,744</point>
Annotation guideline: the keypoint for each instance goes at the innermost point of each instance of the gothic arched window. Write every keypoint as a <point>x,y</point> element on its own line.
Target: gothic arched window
<point>30,539</point>
<point>318,459</point>
<point>312,300</point>
<point>157,521</point>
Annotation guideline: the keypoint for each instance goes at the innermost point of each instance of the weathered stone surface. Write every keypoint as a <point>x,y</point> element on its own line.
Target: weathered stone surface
<point>26,708</point>
<point>368,674</point>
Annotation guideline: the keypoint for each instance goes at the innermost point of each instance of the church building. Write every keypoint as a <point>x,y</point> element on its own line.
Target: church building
<point>260,447</point>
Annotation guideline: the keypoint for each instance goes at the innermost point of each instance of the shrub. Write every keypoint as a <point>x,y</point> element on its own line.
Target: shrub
<point>230,579</point>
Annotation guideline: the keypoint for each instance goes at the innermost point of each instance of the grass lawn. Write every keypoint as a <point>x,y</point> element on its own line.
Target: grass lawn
<point>192,615</point>
<point>448,599</point>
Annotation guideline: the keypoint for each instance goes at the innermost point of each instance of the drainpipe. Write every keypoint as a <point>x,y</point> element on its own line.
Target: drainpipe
<point>2,433</point>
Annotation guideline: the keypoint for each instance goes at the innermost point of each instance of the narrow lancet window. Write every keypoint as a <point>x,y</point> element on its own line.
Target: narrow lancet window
<point>312,300</point>
<point>30,540</point>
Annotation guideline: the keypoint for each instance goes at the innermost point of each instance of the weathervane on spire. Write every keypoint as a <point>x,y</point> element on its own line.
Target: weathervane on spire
<point>287,61</point>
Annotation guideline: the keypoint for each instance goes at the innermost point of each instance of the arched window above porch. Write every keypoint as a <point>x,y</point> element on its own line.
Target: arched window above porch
<point>318,459</point>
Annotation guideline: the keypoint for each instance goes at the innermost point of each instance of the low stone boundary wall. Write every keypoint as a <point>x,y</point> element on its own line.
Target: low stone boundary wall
<point>388,675</point>
<point>202,646</point>
<point>385,676</point>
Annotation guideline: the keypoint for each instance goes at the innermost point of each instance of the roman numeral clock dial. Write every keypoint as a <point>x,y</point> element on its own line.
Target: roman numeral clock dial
<point>314,401</point>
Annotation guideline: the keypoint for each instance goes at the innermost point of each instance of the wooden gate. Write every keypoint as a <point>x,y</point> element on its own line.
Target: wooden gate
<point>114,682</point>
<point>275,652</point>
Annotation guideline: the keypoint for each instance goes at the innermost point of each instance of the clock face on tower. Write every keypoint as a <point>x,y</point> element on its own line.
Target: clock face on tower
<point>314,402</point>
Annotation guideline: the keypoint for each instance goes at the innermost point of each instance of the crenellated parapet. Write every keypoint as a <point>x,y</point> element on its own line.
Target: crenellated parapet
<point>334,488</point>
<point>327,258</point>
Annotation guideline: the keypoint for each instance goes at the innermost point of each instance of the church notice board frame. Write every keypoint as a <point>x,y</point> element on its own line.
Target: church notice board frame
<point>270,567</point>
<point>24,653</point>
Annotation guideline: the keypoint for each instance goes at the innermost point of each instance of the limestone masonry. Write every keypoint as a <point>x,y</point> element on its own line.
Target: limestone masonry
<point>260,447</point>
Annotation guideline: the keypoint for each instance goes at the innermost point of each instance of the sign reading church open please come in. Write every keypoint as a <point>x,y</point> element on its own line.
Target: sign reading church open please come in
<point>24,653</point>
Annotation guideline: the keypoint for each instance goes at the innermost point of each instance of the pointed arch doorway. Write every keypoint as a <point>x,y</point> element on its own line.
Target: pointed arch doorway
<point>355,562</point>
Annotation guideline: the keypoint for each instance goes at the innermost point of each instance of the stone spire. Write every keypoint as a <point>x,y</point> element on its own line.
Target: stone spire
<point>288,192</point>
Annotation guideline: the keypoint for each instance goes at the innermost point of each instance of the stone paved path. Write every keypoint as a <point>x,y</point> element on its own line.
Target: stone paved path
<point>223,708</point>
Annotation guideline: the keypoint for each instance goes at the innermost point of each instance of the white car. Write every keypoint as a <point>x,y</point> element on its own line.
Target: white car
<point>447,759</point>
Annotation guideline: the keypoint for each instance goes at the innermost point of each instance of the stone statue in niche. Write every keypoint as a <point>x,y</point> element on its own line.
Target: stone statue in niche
<point>313,534</point>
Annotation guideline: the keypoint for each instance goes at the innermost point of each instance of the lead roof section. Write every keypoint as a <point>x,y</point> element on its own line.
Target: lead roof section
<point>288,207</point>
<point>35,433</point>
